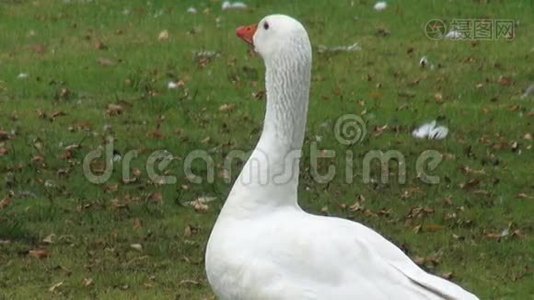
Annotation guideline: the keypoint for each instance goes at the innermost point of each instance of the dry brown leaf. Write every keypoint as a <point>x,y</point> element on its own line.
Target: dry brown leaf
<point>505,81</point>
<point>259,95</point>
<point>519,196</point>
<point>5,202</point>
<point>117,204</point>
<point>190,231</point>
<point>447,275</point>
<point>189,282</point>
<point>58,113</point>
<point>156,134</point>
<point>379,130</point>
<point>227,108</point>
<point>99,45</point>
<point>39,253</point>
<point>432,227</point>
<point>87,282</point>
<point>137,223</point>
<point>136,172</point>
<point>111,188</point>
<point>137,247</point>
<point>4,135</point>
<point>3,151</point>
<point>156,197</point>
<point>470,184</point>
<point>114,109</point>
<point>63,94</point>
<point>467,170</point>
<point>163,35</point>
<point>105,62</point>
<point>49,239</point>
<point>438,97</point>
<point>39,48</point>
<point>55,286</point>
<point>419,212</point>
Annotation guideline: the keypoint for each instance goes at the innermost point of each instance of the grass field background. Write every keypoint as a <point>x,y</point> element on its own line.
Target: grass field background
<point>73,73</point>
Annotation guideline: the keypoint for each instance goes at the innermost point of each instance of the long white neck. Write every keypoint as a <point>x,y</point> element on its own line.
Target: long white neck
<point>270,176</point>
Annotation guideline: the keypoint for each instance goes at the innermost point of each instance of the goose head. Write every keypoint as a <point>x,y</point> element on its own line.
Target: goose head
<point>276,36</point>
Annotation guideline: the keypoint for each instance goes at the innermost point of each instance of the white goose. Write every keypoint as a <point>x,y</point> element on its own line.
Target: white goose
<point>263,245</point>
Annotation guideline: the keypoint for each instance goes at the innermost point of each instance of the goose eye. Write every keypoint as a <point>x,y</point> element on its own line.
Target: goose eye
<point>265,25</point>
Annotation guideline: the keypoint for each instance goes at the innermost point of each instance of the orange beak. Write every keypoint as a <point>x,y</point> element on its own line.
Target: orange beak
<point>246,33</point>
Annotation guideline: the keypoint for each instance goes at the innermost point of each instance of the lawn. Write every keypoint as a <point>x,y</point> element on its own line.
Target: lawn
<point>75,74</point>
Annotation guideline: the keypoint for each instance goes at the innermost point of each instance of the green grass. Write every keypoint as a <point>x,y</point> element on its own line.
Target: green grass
<point>94,226</point>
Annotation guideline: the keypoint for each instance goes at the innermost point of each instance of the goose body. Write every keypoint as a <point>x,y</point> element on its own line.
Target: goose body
<point>263,245</point>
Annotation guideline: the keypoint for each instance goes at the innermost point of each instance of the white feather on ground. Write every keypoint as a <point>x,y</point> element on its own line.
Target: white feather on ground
<point>430,131</point>
<point>380,6</point>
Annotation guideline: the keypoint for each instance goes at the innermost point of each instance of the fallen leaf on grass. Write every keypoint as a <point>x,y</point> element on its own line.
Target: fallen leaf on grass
<point>467,170</point>
<point>137,247</point>
<point>38,48</point>
<point>87,282</point>
<point>419,212</point>
<point>519,196</point>
<point>505,81</point>
<point>55,286</point>
<point>5,203</point>
<point>432,227</point>
<point>114,109</point>
<point>227,107</point>
<point>201,203</point>
<point>39,253</point>
<point>3,151</point>
<point>446,275</point>
<point>111,188</point>
<point>190,231</point>
<point>470,184</point>
<point>189,282</point>
<point>156,197</point>
<point>49,239</point>
<point>58,113</point>
<point>438,97</point>
<point>163,35</point>
<point>117,204</point>
<point>137,223</point>
<point>4,135</point>
<point>105,62</point>
<point>99,45</point>
<point>63,94</point>
<point>379,130</point>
